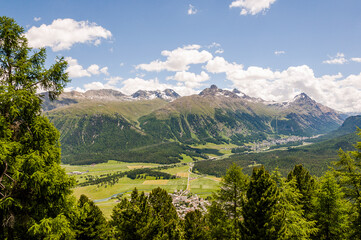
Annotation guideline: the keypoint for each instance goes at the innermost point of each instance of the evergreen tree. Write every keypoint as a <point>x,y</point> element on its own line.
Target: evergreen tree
<point>220,225</point>
<point>260,212</point>
<point>305,184</point>
<point>297,227</point>
<point>88,220</point>
<point>195,227</point>
<point>168,221</point>
<point>331,210</point>
<point>231,197</point>
<point>134,219</point>
<point>348,172</point>
<point>34,188</point>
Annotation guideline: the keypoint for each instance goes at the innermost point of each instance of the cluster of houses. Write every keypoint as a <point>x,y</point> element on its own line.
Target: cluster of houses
<point>185,202</point>
<point>77,172</point>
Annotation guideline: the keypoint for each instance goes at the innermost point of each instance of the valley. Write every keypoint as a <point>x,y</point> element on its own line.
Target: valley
<point>113,143</point>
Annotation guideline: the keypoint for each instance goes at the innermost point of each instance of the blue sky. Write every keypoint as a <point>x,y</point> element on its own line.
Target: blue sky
<point>273,49</point>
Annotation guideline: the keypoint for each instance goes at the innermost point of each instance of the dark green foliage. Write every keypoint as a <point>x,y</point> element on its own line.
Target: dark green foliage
<point>88,221</point>
<point>169,226</point>
<point>36,188</point>
<point>348,172</point>
<point>132,174</point>
<point>220,225</point>
<point>331,210</point>
<point>195,226</point>
<point>231,197</point>
<point>316,158</point>
<point>134,219</point>
<point>305,184</point>
<point>261,208</point>
<point>143,217</point>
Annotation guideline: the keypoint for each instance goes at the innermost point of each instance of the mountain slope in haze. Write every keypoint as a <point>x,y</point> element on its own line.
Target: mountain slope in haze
<point>109,123</point>
<point>317,158</point>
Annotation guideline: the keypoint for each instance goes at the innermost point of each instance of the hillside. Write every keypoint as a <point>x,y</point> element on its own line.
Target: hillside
<point>106,124</point>
<point>317,158</point>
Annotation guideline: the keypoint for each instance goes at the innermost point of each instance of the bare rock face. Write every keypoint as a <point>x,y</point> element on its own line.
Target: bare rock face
<point>167,94</point>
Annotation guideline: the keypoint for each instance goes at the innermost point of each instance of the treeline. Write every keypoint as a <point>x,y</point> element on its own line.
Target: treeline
<point>113,178</point>
<point>317,158</point>
<point>162,153</point>
<point>261,206</point>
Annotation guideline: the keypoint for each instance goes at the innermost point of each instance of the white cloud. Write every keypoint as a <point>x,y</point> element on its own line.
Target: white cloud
<point>104,70</point>
<point>356,59</point>
<point>113,80</point>
<point>37,19</point>
<point>75,70</point>
<point>214,45</point>
<point>178,59</point>
<point>252,7</point>
<point>219,65</point>
<point>338,59</point>
<point>331,90</point>
<point>190,80</point>
<point>219,51</point>
<point>62,34</point>
<point>279,52</point>
<point>121,64</point>
<point>192,10</point>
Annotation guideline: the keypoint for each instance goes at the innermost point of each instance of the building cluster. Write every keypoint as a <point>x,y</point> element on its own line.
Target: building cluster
<point>185,202</point>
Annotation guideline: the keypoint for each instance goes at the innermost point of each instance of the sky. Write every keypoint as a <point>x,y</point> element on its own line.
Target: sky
<point>272,49</point>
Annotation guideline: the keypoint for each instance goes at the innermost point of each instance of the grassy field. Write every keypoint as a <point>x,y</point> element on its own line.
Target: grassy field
<point>202,185</point>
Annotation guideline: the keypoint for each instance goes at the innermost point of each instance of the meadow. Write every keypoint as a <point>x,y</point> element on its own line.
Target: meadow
<point>106,196</point>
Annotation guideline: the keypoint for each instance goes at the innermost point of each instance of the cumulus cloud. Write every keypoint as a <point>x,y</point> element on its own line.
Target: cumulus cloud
<point>62,34</point>
<point>338,59</point>
<point>252,7</point>
<point>336,91</point>
<point>190,80</point>
<point>279,52</point>
<point>356,59</point>
<point>75,70</point>
<point>178,59</point>
<point>192,10</point>
<point>37,19</point>
<point>219,51</point>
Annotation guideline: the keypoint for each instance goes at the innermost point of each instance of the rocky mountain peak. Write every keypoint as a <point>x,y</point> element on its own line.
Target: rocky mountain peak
<point>167,94</point>
<point>302,97</point>
<point>103,94</point>
<point>215,91</point>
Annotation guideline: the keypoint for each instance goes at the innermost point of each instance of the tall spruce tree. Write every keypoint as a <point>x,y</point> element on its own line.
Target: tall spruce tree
<point>169,226</point>
<point>331,210</point>
<point>297,226</point>
<point>305,184</point>
<point>134,218</point>
<point>88,221</point>
<point>260,212</point>
<point>230,198</point>
<point>348,172</point>
<point>34,188</point>
<point>195,226</point>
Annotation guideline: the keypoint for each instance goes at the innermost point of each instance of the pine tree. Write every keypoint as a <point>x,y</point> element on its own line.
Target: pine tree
<point>231,197</point>
<point>88,221</point>
<point>305,184</point>
<point>348,172</point>
<point>195,227</point>
<point>34,188</point>
<point>261,219</point>
<point>297,227</point>
<point>220,225</point>
<point>331,210</point>
<point>168,221</point>
<point>134,218</point>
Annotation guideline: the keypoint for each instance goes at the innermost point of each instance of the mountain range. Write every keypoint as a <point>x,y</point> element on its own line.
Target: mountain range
<point>100,124</point>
